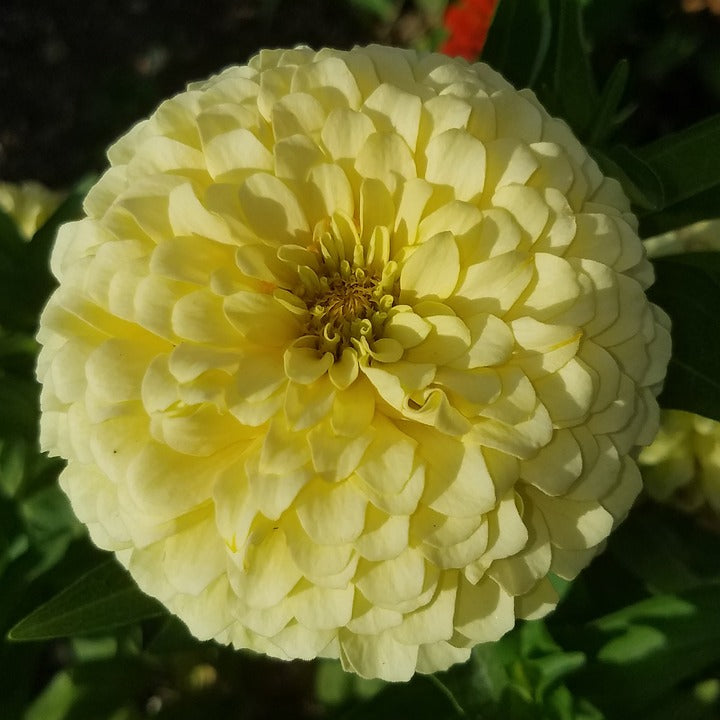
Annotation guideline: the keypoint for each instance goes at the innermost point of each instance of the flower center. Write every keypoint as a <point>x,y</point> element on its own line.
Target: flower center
<point>349,290</point>
<point>350,305</point>
<point>347,299</point>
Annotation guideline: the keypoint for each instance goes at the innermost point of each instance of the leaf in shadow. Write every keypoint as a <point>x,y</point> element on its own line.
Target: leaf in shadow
<point>103,599</point>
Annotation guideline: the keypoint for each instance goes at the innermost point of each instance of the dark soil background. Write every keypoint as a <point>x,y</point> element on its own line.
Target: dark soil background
<point>76,74</point>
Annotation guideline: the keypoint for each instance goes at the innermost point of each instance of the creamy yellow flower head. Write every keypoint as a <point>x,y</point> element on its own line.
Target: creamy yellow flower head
<point>350,353</point>
<point>682,466</point>
<point>29,204</point>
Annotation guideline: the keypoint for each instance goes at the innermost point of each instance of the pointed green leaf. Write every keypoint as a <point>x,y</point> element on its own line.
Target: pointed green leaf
<point>687,161</point>
<point>519,62</point>
<point>103,599</point>
<point>606,114</point>
<point>553,668</point>
<point>13,453</point>
<point>640,182</point>
<point>687,287</point>
<point>50,525</point>
<point>702,206</point>
<point>55,701</point>
<point>573,81</point>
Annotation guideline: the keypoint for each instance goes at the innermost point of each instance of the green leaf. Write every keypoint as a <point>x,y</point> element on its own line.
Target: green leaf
<point>702,206</point>
<point>561,704</point>
<point>647,649</point>
<point>687,287</point>
<point>51,526</point>
<point>687,162</point>
<point>333,685</point>
<point>25,277</point>
<point>17,344</point>
<point>420,699</point>
<point>607,111</point>
<point>19,403</point>
<point>667,550</point>
<point>573,81</point>
<point>47,514</point>
<point>12,539</point>
<point>384,10</point>
<point>477,685</point>
<point>519,62</point>
<point>55,701</point>
<point>95,647</point>
<point>640,182</point>
<point>519,676</point>
<point>172,636</point>
<point>105,689</point>
<point>553,668</point>
<point>103,599</point>
<point>13,452</point>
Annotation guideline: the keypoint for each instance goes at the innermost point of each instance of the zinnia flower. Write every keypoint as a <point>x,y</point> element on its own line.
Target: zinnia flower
<point>29,204</point>
<point>350,353</point>
<point>682,466</point>
<point>467,23</point>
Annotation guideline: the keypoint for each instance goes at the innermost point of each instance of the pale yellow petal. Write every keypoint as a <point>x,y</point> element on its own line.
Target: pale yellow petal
<point>268,572</point>
<point>322,503</point>
<point>194,557</point>
<point>395,583</point>
<point>432,622</point>
<point>333,456</point>
<point>457,159</point>
<point>432,270</point>
<point>377,656</point>
<point>384,536</point>
<point>394,110</point>
<point>573,525</point>
<point>320,608</point>
<point>387,158</point>
<point>484,611</point>
<point>271,209</point>
<point>235,153</point>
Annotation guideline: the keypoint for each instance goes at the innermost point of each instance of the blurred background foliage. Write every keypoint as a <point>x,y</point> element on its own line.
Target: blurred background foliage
<point>76,74</point>
<point>637,635</point>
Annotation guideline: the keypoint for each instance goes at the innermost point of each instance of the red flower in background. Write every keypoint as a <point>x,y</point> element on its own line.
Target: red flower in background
<point>467,22</point>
